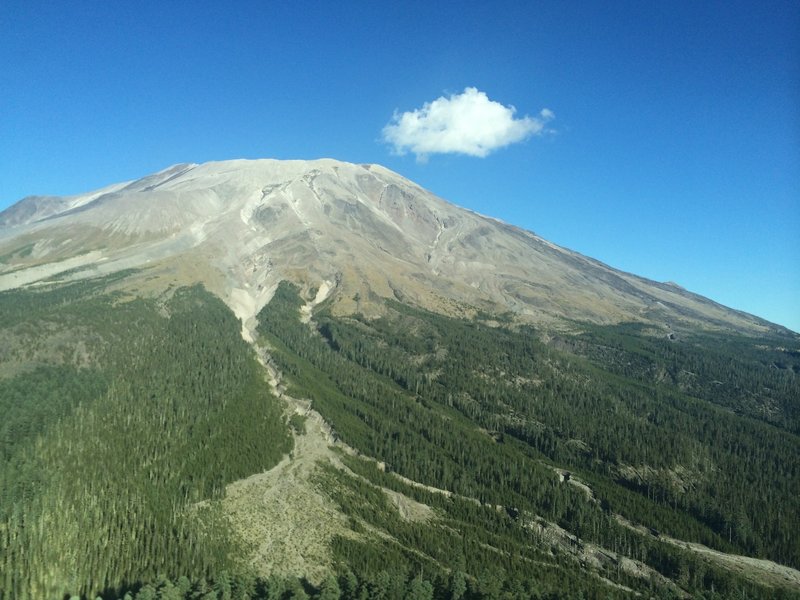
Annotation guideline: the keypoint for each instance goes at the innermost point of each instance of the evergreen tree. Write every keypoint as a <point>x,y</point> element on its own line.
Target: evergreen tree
<point>458,585</point>
<point>419,589</point>
<point>329,589</point>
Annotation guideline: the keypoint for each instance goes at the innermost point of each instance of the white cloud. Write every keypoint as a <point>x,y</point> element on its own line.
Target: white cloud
<point>466,123</point>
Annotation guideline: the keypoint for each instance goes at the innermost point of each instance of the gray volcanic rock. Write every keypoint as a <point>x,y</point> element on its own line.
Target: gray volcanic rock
<point>358,231</point>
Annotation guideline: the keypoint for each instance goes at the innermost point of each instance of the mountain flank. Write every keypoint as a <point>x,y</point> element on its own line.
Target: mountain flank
<point>241,226</point>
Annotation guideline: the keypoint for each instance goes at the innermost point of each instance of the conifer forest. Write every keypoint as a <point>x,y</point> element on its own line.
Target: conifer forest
<point>591,461</point>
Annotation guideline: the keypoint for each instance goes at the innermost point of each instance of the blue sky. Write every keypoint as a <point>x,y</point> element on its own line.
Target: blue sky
<point>674,151</point>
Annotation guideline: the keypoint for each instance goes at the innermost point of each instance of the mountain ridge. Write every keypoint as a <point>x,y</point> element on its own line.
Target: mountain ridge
<point>366,228</point>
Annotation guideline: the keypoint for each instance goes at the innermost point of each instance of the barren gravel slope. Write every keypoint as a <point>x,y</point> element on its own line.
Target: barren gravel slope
<point>245,225</point>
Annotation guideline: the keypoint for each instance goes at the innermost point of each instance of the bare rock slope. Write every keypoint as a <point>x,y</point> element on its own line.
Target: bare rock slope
<point>241,226</point>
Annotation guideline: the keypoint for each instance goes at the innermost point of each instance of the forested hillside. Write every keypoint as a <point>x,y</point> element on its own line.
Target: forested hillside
<point>487,412</point>
<point>120,416</point>
<point>542,465</point>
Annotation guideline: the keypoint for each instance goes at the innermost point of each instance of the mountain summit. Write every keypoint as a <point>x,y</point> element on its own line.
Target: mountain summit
<point>242,226</point>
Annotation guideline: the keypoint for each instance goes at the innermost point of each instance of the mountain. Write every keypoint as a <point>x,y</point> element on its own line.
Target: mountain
<point>240,227</point>
<point>276,379</point>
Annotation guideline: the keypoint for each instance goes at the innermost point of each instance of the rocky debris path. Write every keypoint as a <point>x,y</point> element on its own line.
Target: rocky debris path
<point>282,516</point>
<point>285,520</point>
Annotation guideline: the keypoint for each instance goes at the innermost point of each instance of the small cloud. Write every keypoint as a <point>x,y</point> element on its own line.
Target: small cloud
<point>467,123</point>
